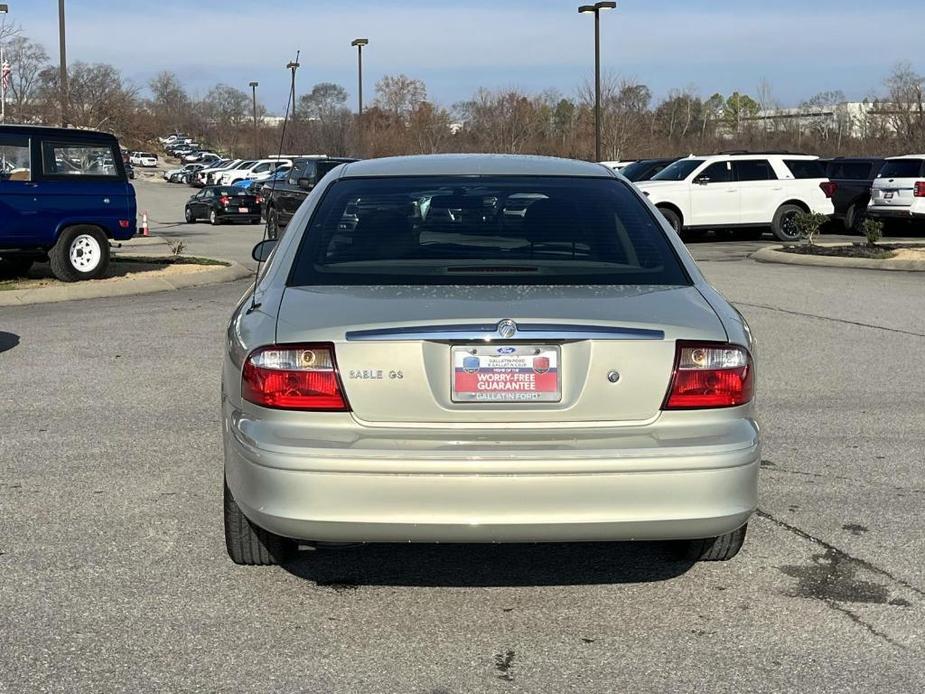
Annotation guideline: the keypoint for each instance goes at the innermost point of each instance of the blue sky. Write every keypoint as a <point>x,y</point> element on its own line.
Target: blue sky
<point>798,47</point>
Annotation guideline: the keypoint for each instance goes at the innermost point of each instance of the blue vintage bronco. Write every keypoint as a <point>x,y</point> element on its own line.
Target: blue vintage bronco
<point>64,194</point>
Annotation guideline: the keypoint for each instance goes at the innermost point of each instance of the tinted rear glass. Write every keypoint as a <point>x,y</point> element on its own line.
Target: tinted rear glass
<point>901,168</point>
<point>805,168</point>
<point>478,230</point>
<point>678,171</point>
<point>754,170</point>
<point>634,172</point>
<point>851,170</point>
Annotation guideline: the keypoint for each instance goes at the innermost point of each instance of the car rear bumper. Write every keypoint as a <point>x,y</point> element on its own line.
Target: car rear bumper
<point>539,495</point>
<point>896,211</point>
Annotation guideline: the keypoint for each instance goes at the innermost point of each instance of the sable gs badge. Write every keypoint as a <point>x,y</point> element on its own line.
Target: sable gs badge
<point>523,373</point>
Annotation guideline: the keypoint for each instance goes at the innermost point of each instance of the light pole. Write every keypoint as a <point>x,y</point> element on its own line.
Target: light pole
<point>359,43</point>
<point>4,9</point>
<point>596,9</point>
<point>294,65</point>
<point>253,86</point>
<point>63,51</point>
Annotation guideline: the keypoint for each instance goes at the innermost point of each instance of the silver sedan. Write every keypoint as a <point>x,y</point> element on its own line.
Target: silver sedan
<point>473,348</point>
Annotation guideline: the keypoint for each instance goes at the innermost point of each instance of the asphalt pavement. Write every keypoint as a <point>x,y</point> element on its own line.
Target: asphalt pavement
<point>113,573</point>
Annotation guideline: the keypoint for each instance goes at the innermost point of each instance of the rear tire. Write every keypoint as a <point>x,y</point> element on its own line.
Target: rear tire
<point>722,548</point>
<point>672,217</point>
<point>15,266</point>
<point>782,225</point>
<point>81,253</point>
<point>248,544</point>
<point>272,224</point>
<point>213,218</point>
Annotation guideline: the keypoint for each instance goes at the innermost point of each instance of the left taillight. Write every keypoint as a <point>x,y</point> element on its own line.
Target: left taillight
<point>224,201</point>
<point>829,188</point>
<point>710,375</point>
<point>294,377</point>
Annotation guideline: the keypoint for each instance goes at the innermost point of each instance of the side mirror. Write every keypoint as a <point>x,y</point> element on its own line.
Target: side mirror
<point>307,182</point>
<point>702,180</point>
<point>262,250</point>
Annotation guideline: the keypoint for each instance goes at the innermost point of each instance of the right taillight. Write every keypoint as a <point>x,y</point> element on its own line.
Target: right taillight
<point>920,189</point>
<point>709,375</point>
<point>294,377</point>
<point>829,188</point>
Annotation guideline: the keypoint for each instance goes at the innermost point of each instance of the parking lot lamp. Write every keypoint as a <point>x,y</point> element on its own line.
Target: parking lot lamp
<point>596,10</point>
<point>294,65</point>
<point>253,86</point>
<point>4,9</point>
<point>359,43</point>
<point>63,67</point>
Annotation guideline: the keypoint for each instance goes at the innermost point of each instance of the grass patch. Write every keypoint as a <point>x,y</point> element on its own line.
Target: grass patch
<point>882,251</point>
<point>172,260</point>
<point>841,251</point>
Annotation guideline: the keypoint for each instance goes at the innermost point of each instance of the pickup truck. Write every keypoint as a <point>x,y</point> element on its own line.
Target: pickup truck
<point>853,178</point>
<point>282,198</point>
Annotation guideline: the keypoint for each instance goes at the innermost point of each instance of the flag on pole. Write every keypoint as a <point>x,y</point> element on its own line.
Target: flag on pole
<point>7,71</point>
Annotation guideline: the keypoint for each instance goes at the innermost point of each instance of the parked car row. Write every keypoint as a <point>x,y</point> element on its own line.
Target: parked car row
<point>753,189</point>
<point>249,190</point>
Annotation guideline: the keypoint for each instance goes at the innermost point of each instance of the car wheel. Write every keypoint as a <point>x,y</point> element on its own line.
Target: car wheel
<point>213,218</point>
<point>81,253</point>
<point>854,218</point>
<point>272,224</point>
<point>188,213</point>
<point>784,223</point>
<point>722,548</point>
<point>246,543</point>
<point>672,217</point>
<point>15,265</point>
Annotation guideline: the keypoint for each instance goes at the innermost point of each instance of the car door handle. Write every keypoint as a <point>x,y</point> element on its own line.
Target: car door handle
<point>778,188</point>
<point>32,185</point>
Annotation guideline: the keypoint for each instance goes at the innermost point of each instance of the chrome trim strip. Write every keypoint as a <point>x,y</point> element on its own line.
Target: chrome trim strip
<point>488,332</point>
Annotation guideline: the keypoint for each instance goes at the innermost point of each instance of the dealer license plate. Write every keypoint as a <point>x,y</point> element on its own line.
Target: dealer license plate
<point>506,373</point>
<point>243,209</point>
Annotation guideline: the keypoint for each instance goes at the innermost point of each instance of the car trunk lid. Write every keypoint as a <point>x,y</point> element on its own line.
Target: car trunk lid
<point>594,354</point>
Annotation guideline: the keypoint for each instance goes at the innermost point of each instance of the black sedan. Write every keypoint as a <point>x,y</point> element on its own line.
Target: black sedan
<point>219,204</point>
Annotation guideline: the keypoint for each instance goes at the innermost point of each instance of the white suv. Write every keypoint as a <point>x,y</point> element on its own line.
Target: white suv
<point>741,190</point>
<point>255,171</point>
<point>898,192</point>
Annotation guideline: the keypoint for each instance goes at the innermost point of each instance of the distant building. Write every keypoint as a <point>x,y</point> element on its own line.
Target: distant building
<point>849,118</point>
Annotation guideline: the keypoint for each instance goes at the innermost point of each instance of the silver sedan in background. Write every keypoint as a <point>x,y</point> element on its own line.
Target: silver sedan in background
<point>475,348</point>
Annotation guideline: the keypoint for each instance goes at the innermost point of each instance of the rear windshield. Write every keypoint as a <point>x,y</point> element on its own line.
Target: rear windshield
<point>805,168</point>
<point>678,171</point>
<point>227,190</point>
<point>481,230</point>
<point>901,168</point>
<point>851,170</point>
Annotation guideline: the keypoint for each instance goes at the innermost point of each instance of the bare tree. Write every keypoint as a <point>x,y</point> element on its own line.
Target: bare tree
<point>170,104</point>
<point>906,106</point>
<point>400,95</point>
<point>98,96</point>
<point>27,59</point>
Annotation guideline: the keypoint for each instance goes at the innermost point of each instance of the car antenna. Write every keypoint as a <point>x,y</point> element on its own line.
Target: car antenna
<point>282,138</point>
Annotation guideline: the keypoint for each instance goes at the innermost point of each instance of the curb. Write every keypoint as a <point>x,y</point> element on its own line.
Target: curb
<point>127,286</point>
<point>773,254</point>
